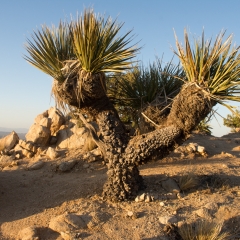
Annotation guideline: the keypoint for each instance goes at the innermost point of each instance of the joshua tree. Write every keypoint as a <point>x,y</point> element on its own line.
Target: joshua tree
<point>79,54</point>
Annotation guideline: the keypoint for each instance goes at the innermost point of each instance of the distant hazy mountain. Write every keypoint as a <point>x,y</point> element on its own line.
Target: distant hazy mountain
<point>21,132</point>
<point>17,130</point>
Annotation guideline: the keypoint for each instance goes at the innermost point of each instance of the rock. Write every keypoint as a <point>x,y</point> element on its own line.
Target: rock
<point>162,204</point>
<point>170,186</point>
<point>132,215</point>
<point>57,120</point>
<point>52,153</point>
<point>201,149</point>
<point>142,197</point>
<point>171,195</point>
<point>23,144</point>
<point>67,223</point>
<point>228,155</point>
<point>204,213</point>
<point>148,198</point>
<point>86,165</point>
<point>38,135</point>
<point>190,149</point>
<point>74,137</point>
<point>26,149</point>
<point>39,117</point>
<point>67,166</point>
<point>96,152</point>
<point>212,207</point>
<point>27,153</point>
<point>18,148</point>
<point>6,160</point>
<point>180,196</point>
<point>67,236</point>
<point>9,141</point>
<point>137,199</point>
<point>145,197</point>
<point>29,233</point>
<point>96,220</point>
<point>35,165</point>
<point>18,156</point>
<point>71,137</point>
<point>193,146</point>
<point>45,122</point>
<point>171,219</point>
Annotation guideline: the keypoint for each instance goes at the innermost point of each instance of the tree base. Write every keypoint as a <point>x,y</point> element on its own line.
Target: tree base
<point>123,183</point>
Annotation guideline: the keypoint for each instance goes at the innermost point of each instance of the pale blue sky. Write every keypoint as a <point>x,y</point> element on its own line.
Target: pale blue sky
<point>25,91</point>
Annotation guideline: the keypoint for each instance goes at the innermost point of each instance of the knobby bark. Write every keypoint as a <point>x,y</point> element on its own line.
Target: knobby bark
<point>122,154</point>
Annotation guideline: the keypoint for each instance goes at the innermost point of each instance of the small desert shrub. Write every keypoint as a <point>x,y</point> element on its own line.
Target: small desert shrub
<point>202,230</point>
<point>188,181</point>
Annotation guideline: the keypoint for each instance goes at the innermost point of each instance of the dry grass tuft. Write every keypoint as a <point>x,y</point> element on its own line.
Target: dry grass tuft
<point>188,181</point>
<point>202,230</point>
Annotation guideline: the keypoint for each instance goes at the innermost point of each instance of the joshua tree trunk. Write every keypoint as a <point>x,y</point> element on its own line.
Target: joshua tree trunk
<point>123,155</point>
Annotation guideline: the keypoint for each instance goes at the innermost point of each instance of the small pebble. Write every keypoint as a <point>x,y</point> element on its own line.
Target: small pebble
<point>162,204</point>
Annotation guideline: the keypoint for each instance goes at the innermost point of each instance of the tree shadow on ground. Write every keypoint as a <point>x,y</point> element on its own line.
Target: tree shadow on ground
<point>25,193</point>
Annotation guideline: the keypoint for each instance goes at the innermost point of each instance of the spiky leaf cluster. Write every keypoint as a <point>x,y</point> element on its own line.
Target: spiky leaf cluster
<point>90,43</point>
<point>215,67</point>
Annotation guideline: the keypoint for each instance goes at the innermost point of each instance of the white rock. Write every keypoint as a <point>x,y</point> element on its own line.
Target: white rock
<point>162,204</point>
<point>201,149</point>
<point>194,146</point>
<point>130,213</point>
<point>142,197</point>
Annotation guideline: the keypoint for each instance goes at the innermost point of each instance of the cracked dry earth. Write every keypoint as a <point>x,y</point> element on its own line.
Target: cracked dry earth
<point>46,204</point>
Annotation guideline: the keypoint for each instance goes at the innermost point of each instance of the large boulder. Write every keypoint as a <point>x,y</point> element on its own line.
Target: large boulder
<point>9,141</point>
<point>73,137</point>
<point>39,135</point>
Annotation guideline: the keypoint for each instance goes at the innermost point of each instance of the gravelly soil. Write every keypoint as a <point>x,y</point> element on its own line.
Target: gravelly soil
<point>33,198</point>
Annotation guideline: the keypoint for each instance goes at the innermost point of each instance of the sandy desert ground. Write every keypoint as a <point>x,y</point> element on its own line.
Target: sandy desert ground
<point>44,197</point>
